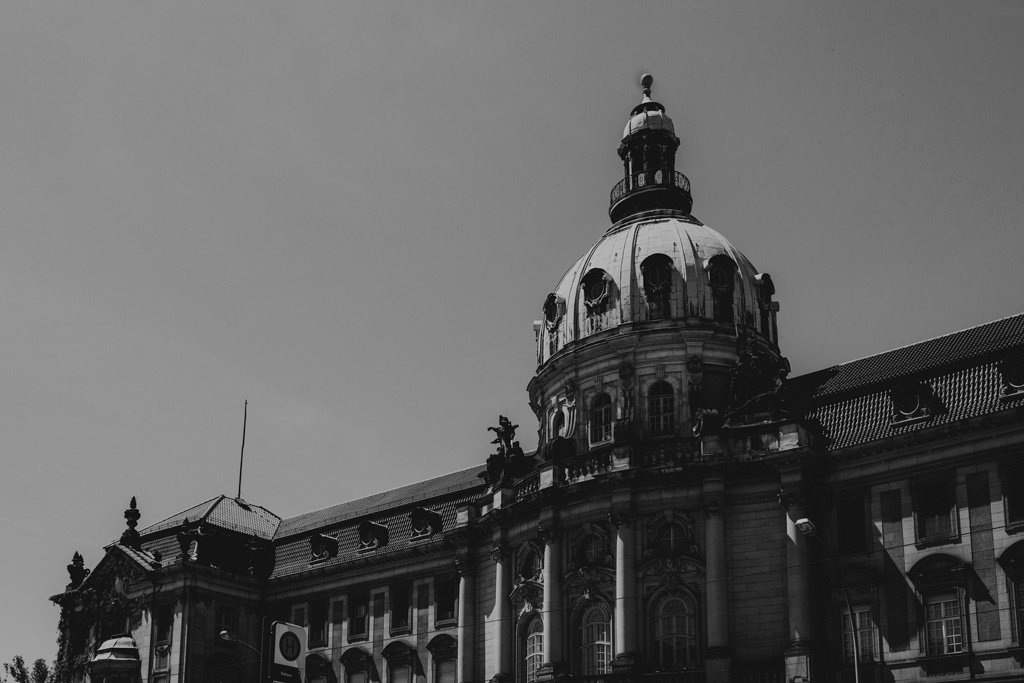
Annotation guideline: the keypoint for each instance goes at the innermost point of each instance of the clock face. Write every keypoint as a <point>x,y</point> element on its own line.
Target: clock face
<point>908,404</point>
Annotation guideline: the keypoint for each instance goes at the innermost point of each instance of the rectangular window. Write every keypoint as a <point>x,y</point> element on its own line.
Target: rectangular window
<point>944,632</point>
<point>445,593</point>
<point>1018,594</point>
<point>445,671</point>
<point>400,598</point>
<point>162,629</point>
<point>317,623</point>
<point>227,620</point>
<point>935,509</point>
<point>357,617</point>
<point>851,525</point>
<point>1013,491</point>
<point>400,674</point>
<point>867,635</point>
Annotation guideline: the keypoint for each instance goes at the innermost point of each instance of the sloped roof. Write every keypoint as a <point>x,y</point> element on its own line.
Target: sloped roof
<point>907,361</point>
<point>233,514</point>
<point>463,480</point>
<point>851,402</point>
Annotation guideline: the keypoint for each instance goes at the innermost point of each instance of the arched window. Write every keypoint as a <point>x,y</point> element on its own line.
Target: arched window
<point>399,657</point>
<point>595,650</point>
<point>444,650</point>
<point>722,274</point>
<point>673,539</point>
<point>661,408</point>
<point>529,569</point>
<point>591,550</point>
<point>601,418</point>
<point>533,649</point>
<point>657,272</point>
<point>675,633</point>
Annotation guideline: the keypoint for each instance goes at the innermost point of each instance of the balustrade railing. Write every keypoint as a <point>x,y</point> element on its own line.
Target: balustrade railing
<point>526,486</point>
<point>649,178</point>
<point>586,465</point>
<point>670,454</point>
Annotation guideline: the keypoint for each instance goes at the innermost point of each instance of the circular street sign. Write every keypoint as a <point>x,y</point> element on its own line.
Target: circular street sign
<point>289,646</point>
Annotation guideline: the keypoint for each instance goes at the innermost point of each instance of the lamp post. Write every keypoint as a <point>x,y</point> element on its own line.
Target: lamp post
<point>806,527</point>
<point>230,637</point>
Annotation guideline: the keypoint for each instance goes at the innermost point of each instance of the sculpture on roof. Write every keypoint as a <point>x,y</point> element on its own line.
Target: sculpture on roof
<point>508,462</point>
<point>77,571</point>
<point>130,537</point>
<point>757,384</point>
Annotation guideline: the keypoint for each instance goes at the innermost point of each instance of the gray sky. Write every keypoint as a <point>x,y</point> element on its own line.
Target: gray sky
<point>350,214</point>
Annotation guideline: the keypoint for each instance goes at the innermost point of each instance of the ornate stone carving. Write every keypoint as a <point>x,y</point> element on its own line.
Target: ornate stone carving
<point>695,384</point>
<point>464,566</point>
<point>757,383</point>
<point>499,552</point>
<point>620,518</point>
<point>587,580</point>
<point>529,595</point>
<point>673,572</point>
<point>713,510</point>
<point>547,534</point>
<point>77,571</point>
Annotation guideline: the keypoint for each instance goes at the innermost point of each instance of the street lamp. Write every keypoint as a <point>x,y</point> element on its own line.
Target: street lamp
<point>806,527</point>
<point>230,637</point>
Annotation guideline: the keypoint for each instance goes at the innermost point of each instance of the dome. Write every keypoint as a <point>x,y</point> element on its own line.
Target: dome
<point>661,266</point>
<point>649,119</point>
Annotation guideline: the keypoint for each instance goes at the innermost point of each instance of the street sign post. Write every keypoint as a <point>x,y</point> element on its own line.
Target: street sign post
<point>289,662</point>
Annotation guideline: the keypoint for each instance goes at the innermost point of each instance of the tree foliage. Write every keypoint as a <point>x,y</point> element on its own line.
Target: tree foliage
<point>15,671</point>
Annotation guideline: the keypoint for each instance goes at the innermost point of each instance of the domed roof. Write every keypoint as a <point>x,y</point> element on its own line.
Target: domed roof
<point>613,283</point>
<point>648,115</point>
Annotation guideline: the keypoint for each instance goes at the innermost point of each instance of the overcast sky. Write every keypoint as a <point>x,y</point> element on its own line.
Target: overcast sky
<point>350,214</point>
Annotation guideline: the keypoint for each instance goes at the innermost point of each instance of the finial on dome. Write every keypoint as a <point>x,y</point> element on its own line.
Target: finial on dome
<point>646,81</point>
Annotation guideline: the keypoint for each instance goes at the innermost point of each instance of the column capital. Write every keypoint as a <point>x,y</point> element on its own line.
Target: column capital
<point>464,566</point>
<point>547,534</point>
<point>499,552</point>
<point>790,499</point>
<point>620,519</point>
<point>714,510</point>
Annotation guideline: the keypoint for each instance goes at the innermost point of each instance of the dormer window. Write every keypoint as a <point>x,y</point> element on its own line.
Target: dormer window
<point>322,548</point>
<point>1011,372</point>
<point>425,523</point>
<point>597,290</point>
<point>911,401</point>
<point>553,305</point>
<point>657,273</point>
<point>372,536</point>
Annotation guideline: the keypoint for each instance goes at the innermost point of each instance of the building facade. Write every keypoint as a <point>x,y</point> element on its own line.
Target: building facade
<point>691,514</point>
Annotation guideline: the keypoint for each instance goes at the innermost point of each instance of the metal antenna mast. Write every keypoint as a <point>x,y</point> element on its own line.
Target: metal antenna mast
<point>241,457</point>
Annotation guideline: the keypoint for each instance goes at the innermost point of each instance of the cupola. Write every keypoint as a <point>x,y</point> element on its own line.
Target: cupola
<point>648,152</point>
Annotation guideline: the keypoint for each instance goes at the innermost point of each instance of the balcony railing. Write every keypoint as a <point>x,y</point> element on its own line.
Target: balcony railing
<point>587,465</point>
<point>649,178</point>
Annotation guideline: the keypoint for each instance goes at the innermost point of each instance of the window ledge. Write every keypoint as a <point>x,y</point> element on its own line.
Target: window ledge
<point>316,644</point>
<point>932,541</point>
<point>1014,527</point>
<point>949,666</point>
<point>401,631</point>
<point>358,638</point>
<point>446,623</point>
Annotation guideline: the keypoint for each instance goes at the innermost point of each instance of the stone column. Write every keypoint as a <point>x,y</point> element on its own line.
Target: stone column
<point>501,615</point>
<point>553,665</point>
<point>718,655</point>
<point>797,581</point>
<point>464,661</point>
<point>625,593</point>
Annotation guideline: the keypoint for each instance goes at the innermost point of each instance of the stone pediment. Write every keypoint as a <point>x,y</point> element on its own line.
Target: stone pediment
<point>121,571</point>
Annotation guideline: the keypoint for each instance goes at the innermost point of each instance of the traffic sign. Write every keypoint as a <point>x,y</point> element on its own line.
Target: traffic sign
<point>289,665</point>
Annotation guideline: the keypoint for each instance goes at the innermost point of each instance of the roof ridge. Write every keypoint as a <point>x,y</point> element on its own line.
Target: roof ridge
<point>168,517</point>
<point>379,493</point>
<point>216,501</point>
<point>918,343</point>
